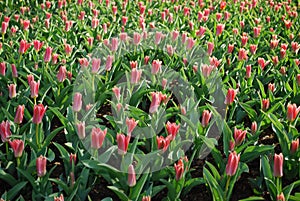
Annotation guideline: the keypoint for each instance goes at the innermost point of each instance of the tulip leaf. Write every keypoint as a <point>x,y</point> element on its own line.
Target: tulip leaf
<point>119,192</point>
<point>7,178</point>
<point>214,186</point>
<point>137,189</point>
<point>59,115</point>
<point>251,112</point>
<point>11,194</point>
<point>253,152</point>
<point>253,198</point>
<point>28,176</point>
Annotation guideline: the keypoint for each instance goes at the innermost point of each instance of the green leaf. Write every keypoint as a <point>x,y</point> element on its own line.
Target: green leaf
<point>253,198</point>
<point>107,199</point>
<point>251,112</point>
<point>253,152</point>
<point>7,178</point>
<point>28,177</point>
<point>191,183</point>
<point>261,87</point>
<point>60,116</point>
<point>15,190</point>
<point>214,186</point>
<point>51,136</point>
<point>137,189</point>
<point>119,192</point>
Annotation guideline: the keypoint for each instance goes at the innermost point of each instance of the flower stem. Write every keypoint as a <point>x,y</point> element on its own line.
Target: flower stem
<point>226,188</point>
<point>6,145</point>
<point>18,161</point>
<point>37,135</point>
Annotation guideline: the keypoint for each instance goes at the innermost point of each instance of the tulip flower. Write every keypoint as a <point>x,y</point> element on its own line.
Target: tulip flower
<point>253,127</point>
<point>77,104</point>
<point>278,165</point>
<point>98,137</point>
<point>244,40</point>
<point>14,71</point>
<point>26,24</point>
<point>18,147</point>
<point>123,142</point>
<point>38,113</point>
<point>37,45</point>
<point>179,169</point>
<point>232,163</point>
<point>60,198</point>
<point>248,71</point>
<point>220,28</point>
<point>206,115</point>
<point>158,37</point>
<point>265,104</point>
<point>95,65</point>
<point>30,78</point>
<point>230,48</point>
<point>163,143</point>
<point>109,61</point>
<point>136,38</point>
<point>12,92</point>
<point>253,48</point>
<point>131,124</point>
<point>231,145</point>
<point>41,163</point>
<point>242,54</point>
<point>156,100</point>
<point>133,64</point>
<point>190,43</point>
<point>34,88</point>
<point>262,63</point>
<point>48,53</point>
<point>294,146</point>
<point>68,49</point>
<point>19,114</point>
<point>156,67</point>
<point>231,93</point>
<point>271,87</point>
<point>146,198</point>
<point>172,129</point>
<point>131,176</point>
<point>210,48</point>
<point>5,131</point>
<point>2,68</point>
<point>61,75</point>
<point>4,27</point>
<point>23,46</point>
<point>280,197</point>
<point>135,76</point>
<point>292,112</point>
<point>239,136</point>
<point>114,44</point>
<point>81,130</point>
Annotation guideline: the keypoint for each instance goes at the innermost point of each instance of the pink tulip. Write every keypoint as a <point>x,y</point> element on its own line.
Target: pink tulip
<point>14,71</point>
<point>30,78</point>
<point>248,71</point>
<point>34,88</point>
<point>294,146</point>
<point>133,64</point>
<point>253,127</point>
<point>201,31</point>
<point>155,102</point>
<point>37,45</point>
<point>84,62</point>
<point>123,37</point>
<point>60,198</point>
<point>220,28</point>
<point>48,53</point>
<point>68,49</point>
<point>295,46</point>
<point>271,87</point>
<point>131,176</point>
<point>38,113</point>
<point>206,70</point>
<point>4,27</point>
<point>123,142</point>
<point>265,104</point>
<point>244,40</point>
<point>183,37</point>
<point>156,66</point>
<point>292,112</point>
<point>61,75</point>
<point>18,147</point>
<point>242,54</point>
<point>206,115</point>
<point>232,163</point>
<point>256,31</point>
<point>2,68</point>
<point>117,92</point>
<point>136,38</point>
<point>158,37</point>
<point>175,35</point>
<point>280,197</point>
<point>135,76</point>
<point>95,65</point>
<point>190,43</point>
<point>98,137</point>
<point>54,58</point>
<point>77,102</point>
<point>19,114</point>
<point>274,43</point>
<point>253,48</point>
<point>81,130</point>
<point>163,143</point>
<point>231,93</point>
<point>26,24</point>
<point>179,170</point>
<point>41,163</point>
<point>262,63</point>
<point>210,48</point>
<point>218,16</point>
<point>230,48</point>
<point>172,129</point>
<point>90,41</point>
<point>5,131</point>
<point>278,165</point>
<point>114,44</point>
<point>109,61</point>
<point>131,124</point>
<point>23,46</point>
<point>226,15</point>
<point>124,20</point>
<point>239,136</point>
<point>12,91</point>
<point>95,23</point>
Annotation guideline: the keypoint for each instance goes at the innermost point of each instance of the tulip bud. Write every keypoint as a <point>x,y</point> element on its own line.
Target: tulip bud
<point>81,130</point>
<point>34,88</point>
<point>172,129</point>
<point>77,102</point>
<point>98,137</point>
<point>131,176</point>
<point>179,169</point>
<point>123,142</point>
<point>232,163</point>
<point>135,76</point>
<point>206,115</point>
<point>131,124</point>
<point>38,113</point>
<point>278,165</point>
<point>294,146</point>
<point>48,53</point>
<point>19,114</point>
<point>5,131</point>
<point>265,104</point>
<point>292,112</point>
<point>280,197</point>
<point>253,127</point>
<point>146,198</point>
<point>239,136</point>
<point>18,147</point>
<point>41,163</point>
<point>231,93</point>
<point>14,71</point>
<point>156,66</point>
<point>61,75</point>
<point>12,91</point>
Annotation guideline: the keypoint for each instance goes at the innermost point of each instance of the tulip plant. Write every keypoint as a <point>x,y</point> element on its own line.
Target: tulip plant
<point>149,100</point>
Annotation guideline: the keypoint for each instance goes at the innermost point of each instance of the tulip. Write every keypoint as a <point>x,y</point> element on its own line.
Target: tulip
<point>131,124</point>
<point>98,136</point>
<point>265,104</point>
<point>292,112</point>
<point>48,53</point>
<point>4,27</point>
<point>34,88</point>
<point>37,45</point>
<point>77,102</point>
<point>226,15</point>
<point>206,115</point>
<point>163,143</point>
<point>23,46</point>
<point>262,63</point>
<point>38,113</point>
<point>135,76</point>
<point>18,147</point>
<point>242,54</point>
<point>2,68</point>
<point>81,130</point>
<point>12,91</point>
<point>109,61</point>
<point>158,37</point>
<point>206,70</point>
<point>295,46</point>
<point>155,102</point>
<point>61,75</point>
<point>232,163</point>
<point>146,198</point>
<point>68,49</point>
<point>298,79</point>
<point>26,24</point>
<point>14,71</point>
<point>60,198</point>
<point>5,131</point>
<point>231,145</point>
<point>210,48</point>
<point>218,16</point>
<point>19,114</point>
<point>244,40</point>
<point>54,58</point>
<point>131,176</point>
<point>231,93</point>
<point>30,78</point>
<point>239,136</point>
<point>41,163</point>
<point>294,146</point>
<point>175,35</point>
<point>248,71</point>
<point>179,169</point>
<point>114,44</point>
<point>123,142</point>
<point>83,62</point>
<point>220,28</point>
<point>280,197</point>
<point>124,20</point>
<point>136,38</point>
<point>95,65</point>
<point>201,31</point>
<point>253,48</point>
<point>278,165</point>
<point>253,127</point>
<point>230,48</point>
<point>172,129</point>
<point>271,87</point>
<point>156,67</point>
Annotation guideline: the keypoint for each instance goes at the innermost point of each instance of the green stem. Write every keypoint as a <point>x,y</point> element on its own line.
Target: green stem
<point>226,187</point>
<point>3,38</point>
<point>96,153</point>
<point>37,135</point>
<point>278,184</point>
<point>18,162</point>
<point>6,145</point>
<point>34,100</point>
